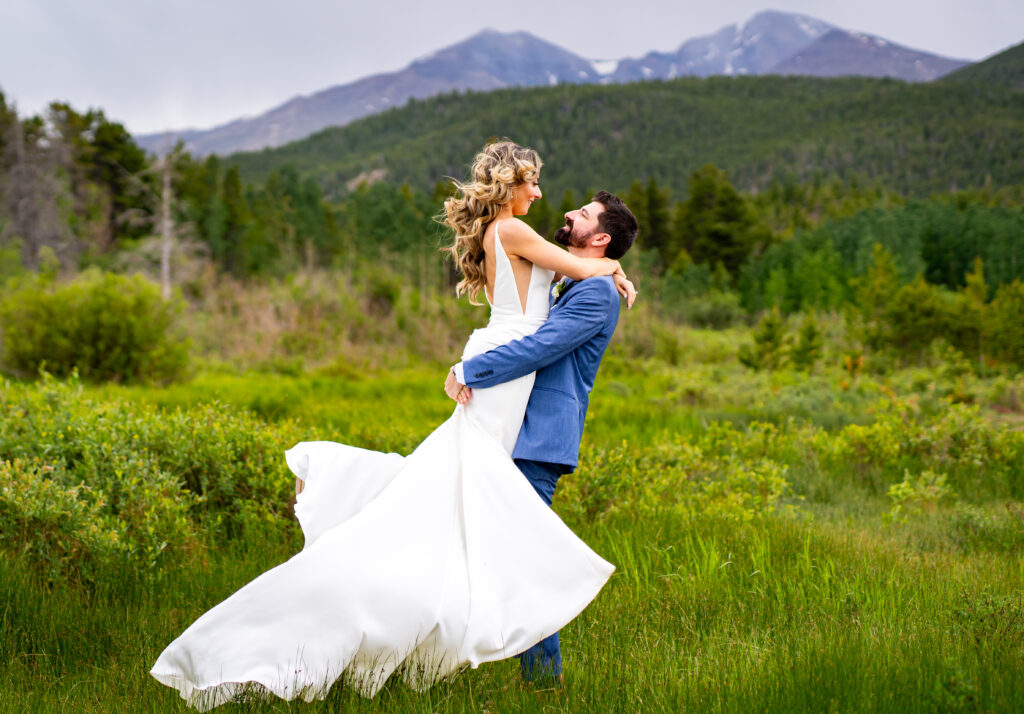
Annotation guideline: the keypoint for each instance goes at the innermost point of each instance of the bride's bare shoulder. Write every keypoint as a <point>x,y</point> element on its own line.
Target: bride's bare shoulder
<point>515,230</point>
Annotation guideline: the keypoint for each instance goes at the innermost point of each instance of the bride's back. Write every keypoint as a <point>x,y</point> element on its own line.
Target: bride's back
<point>515,288</point>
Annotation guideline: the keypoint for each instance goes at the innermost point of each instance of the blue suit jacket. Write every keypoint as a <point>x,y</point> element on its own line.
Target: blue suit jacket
<point>565,352</point>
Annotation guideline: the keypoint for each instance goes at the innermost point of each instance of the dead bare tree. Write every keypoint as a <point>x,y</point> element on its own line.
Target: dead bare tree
<point>36,194</point>
<point>171,242</point>
<point>166,229</point>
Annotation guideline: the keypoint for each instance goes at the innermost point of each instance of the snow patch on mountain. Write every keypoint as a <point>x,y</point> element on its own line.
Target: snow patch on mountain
<point>605,67</point>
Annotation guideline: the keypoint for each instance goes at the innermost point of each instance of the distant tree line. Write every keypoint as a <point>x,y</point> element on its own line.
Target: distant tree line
<point>76,191</point>
<point>938,240</point>
<point>72,185</point>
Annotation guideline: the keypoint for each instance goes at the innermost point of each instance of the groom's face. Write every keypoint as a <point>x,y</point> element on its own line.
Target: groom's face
<point>580,225</point>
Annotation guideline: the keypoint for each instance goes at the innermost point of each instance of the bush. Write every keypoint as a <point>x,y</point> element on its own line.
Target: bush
<point>725,473</point>
<point>76,471</point>
<point>917,314</point>
<point>62,529</point>
<point>978,527</point>
<point>977,457</point>
<point>105,326</point>
<point>920,493</point>
<point>717,309</point>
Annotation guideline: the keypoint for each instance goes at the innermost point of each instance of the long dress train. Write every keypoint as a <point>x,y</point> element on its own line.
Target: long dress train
<point>429,563</point>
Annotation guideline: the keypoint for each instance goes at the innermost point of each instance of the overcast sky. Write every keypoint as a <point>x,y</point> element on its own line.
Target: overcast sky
<point>162,64</point>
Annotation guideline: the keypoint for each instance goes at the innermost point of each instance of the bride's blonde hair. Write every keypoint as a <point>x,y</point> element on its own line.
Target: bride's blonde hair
<point>493,178</point>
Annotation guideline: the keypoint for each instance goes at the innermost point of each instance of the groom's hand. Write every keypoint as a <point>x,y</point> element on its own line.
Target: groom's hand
<point>459,392</point>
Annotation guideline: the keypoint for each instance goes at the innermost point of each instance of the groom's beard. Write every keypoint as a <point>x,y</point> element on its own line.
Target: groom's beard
<point>564,236</point>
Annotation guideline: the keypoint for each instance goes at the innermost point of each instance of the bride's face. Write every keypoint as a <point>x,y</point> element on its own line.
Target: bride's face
<point>525,194</point>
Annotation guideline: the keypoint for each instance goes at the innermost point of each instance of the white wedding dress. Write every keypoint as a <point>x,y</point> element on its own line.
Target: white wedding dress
<point>428,563</point>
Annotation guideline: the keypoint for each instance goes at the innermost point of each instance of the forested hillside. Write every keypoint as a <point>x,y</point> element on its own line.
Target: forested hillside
<point>751,193</point>
<point>916,139</point>
<point>1005,69</point>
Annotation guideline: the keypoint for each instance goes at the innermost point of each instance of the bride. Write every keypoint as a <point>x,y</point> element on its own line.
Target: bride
<point>423,564</point>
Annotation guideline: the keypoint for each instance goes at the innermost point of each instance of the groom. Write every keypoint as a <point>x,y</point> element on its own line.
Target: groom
<point>565,353</point>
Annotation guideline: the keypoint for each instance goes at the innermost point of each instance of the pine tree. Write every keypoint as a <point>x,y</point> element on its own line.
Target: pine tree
<point>972,316</point>
<point>873,293</point>
<point>1003,331</point>
<point>636,199</point>
<point>916,315</point>
<point>657,231</point>
<point>809,342</point>
<point>717,225</point>
<point>768,350</point>
<point>236,215</point>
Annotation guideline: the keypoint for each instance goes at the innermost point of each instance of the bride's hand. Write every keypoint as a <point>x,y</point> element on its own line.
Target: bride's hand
<point>625,287</point>
<point>459,392</point>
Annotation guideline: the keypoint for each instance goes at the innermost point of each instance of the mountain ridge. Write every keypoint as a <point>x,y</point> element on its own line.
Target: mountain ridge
<point>751,48</point>
<point>877,57</point>
<point>491,60</point>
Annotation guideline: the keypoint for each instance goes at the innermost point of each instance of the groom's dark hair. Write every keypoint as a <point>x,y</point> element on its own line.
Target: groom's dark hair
<point>617,221</point>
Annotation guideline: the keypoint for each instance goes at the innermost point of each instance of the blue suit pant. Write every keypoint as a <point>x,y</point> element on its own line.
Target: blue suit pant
<point>544,659</point>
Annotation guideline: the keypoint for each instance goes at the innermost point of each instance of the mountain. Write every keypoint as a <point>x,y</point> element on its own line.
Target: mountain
<point>841,52</point>
<point>488,60</point>
<point>784,43</point>
<point>1005,69</point>
<point>770,42</point>
<point>767,39</point>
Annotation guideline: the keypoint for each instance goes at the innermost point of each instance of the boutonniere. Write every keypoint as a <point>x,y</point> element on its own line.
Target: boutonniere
<point>558,288</point>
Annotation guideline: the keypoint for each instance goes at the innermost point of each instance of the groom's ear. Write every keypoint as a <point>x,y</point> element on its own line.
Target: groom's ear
<point>599,239</point>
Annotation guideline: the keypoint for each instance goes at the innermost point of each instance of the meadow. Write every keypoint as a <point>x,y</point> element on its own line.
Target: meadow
<point>804,452</point>
<point>838,540</point>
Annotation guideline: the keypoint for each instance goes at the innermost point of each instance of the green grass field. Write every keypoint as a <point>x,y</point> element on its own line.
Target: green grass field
<point>765,561</point>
